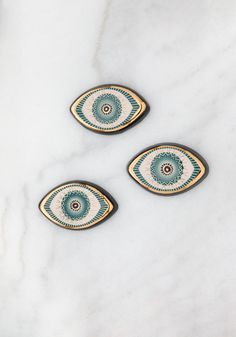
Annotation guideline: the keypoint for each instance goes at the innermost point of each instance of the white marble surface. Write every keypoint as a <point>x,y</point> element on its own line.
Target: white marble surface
<point>160,266</point>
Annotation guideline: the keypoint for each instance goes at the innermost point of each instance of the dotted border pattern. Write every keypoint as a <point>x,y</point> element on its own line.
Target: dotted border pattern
<point>139,175</point>
<point>133,102</point>
<point>180,169</point>
<point>114,118</point>
<point>100,213</point>
<point>63,206</point>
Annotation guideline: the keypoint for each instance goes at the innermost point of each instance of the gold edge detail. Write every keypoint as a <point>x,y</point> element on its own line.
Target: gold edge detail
<point>139,112</point>
<point>44,200</point>
<point>198,177</point>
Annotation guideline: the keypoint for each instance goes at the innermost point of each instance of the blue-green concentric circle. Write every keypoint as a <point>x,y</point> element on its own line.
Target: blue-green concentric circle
<point>166,168</point>
<point>107,108</point>
<point>75,205</point>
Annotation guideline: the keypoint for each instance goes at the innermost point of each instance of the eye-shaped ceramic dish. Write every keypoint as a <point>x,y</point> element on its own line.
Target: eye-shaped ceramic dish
<point>78,205</point>
<point>109,108</point>
<point>168,168</point>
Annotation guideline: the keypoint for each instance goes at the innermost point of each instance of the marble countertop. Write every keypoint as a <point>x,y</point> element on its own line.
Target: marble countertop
<point>160,266</point>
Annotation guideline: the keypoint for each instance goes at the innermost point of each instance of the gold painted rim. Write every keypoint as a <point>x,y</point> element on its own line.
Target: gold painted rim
<point>44,200</point>
<point>139,112</point>
<point>197,178</point>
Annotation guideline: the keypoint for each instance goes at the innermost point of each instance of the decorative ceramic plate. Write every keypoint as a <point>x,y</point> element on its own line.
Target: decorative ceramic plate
<point>109,108</point>
<point>168,168</point>
<point>77,205</point>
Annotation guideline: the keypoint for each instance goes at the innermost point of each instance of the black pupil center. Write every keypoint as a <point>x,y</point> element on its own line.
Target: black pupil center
<point>167,169</point>
<point>75,205</point>
<point>106,108</point>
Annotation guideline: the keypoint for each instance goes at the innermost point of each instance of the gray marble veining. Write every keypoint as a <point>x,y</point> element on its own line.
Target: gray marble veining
<point>160,266</point>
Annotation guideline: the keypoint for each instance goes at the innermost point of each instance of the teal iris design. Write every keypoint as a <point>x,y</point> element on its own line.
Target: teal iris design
<point>75,205</point>
<point>166,168</point>
<point>107,108</point>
